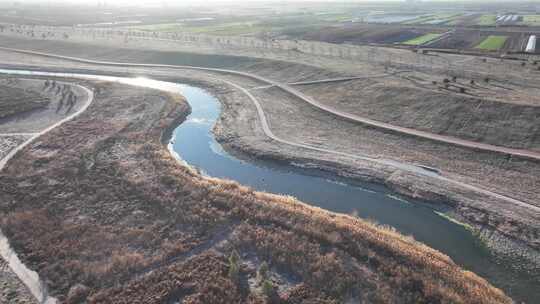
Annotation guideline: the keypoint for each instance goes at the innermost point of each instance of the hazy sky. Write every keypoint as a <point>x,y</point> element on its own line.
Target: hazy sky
<point>209,2</point>
<point>180,1</point>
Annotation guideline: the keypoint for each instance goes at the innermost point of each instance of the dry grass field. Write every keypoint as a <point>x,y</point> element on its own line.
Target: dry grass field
<point>118,220</point>
<point>17,101</point>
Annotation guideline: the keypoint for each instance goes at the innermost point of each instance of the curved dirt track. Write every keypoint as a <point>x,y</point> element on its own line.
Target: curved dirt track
<point>355,118</point>
<point>395,164</point>
<point>11,154</point>
<point>398,165</point>
<point>27,276</point>
<point>402,166</point>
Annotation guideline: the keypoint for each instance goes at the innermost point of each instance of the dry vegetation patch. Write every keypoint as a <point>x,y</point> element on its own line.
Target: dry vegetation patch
<point>110,216</point>
<point>15,101</point>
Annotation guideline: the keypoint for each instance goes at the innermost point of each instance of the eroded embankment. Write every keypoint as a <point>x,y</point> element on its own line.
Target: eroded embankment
<point>489,216</point>
<point>511,178</point>
<point>119,220</point>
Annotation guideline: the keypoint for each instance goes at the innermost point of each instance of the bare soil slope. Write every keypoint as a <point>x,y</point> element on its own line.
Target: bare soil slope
<point>18,101</point>
<point>436,111</point>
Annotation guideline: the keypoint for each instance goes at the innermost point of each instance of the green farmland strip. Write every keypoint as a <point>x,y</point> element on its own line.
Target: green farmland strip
<point>486,20</point>
<point>531,20</point>
<point>492,43</point>
<point>422,39</point>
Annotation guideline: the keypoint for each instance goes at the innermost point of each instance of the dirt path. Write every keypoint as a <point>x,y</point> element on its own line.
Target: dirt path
<point>398,165</point>
<point>395,164</point>
<point>385,126</point>
<point>299,145</point>
<point>27,276</point>
<point>341,79</point>
<point>90,97</point>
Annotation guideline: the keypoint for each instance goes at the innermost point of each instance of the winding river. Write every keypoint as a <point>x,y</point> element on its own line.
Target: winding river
<point>194,143</point>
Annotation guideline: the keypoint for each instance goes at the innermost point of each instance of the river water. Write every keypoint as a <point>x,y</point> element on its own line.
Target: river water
<point>194,142</point>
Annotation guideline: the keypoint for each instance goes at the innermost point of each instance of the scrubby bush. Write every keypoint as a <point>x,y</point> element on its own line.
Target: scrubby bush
<point>270,292</point>
<point>262,273</point>
<point>234,266</point>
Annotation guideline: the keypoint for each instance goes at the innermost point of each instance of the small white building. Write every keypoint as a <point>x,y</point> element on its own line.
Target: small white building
<point>531,45</point>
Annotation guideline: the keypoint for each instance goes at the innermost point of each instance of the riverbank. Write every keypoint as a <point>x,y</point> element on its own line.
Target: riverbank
<point>508,233</point>
<point>514,224</point>
<point>132,224</point>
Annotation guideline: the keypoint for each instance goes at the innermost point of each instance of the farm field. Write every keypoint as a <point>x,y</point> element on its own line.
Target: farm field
<point>422,39</point>
<point>492,43</point>
<point>486,20</point>
<point>531,20</point>
<point>362,34</point>
<point>463,19</point>
<point>434,19</point>
<point>236,28</point>
<point>480,40</point>
<point>391,18</point>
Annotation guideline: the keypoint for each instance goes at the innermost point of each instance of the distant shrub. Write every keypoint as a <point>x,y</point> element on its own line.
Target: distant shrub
<point>234,266</point>
<point>269,290</point>
<point>262,273</point>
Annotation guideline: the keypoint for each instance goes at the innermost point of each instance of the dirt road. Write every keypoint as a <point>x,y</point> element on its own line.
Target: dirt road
<point>312,101</point>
